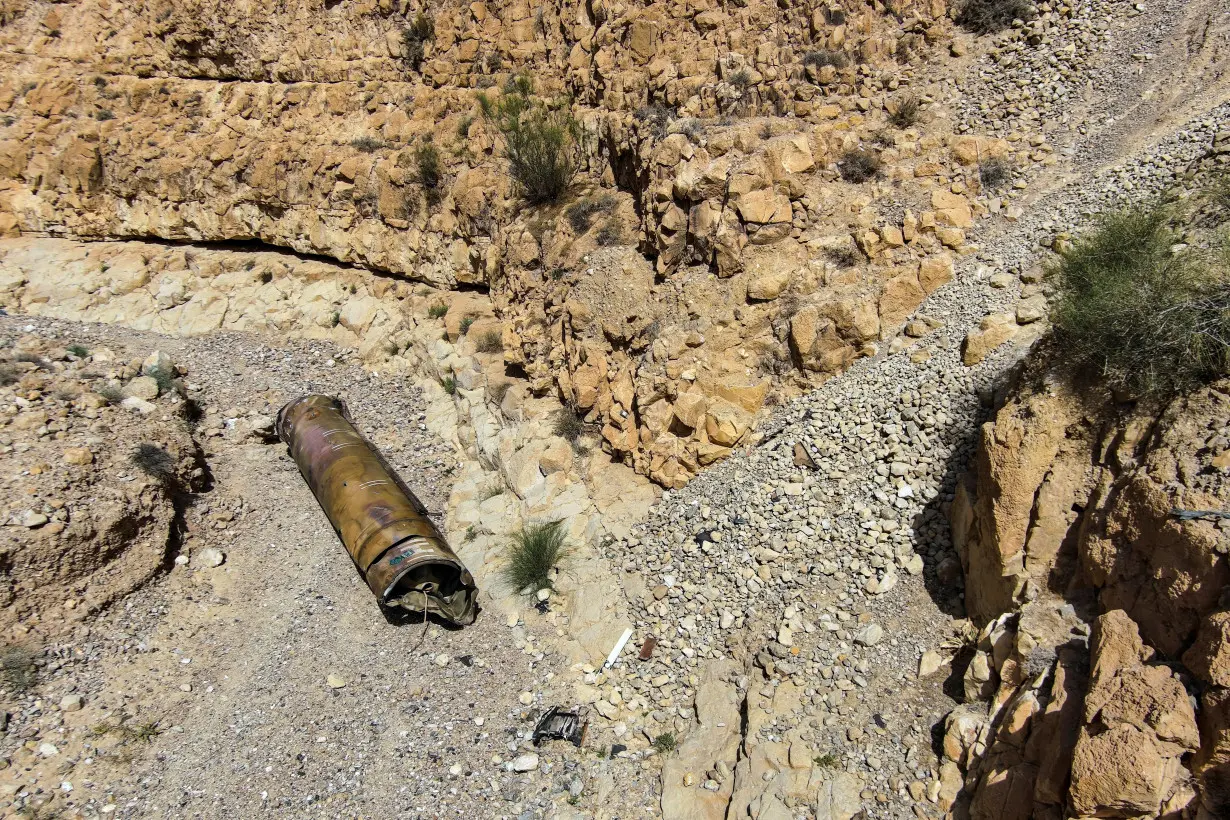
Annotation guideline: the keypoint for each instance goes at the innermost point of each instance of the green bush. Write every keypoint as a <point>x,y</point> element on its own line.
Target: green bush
<point>539,140</point>
<point>414,38</point>
<point>164,376</point>
<point>740,79</point>
<point>665,743</point>
<point>427,158</point>
<point>1147,317</point>
<point>449,384</point>
<point>437,311</point>
<point>990,16</point>
<point>465,325</point>
<point>535,551</point>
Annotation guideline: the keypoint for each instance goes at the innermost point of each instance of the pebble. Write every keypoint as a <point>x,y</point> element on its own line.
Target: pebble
<point>525,762</point>
<point>869,635</point>
<point>335,681</point>
<point>32,520</point>
<point>210,557</point>
<point>71,703</point>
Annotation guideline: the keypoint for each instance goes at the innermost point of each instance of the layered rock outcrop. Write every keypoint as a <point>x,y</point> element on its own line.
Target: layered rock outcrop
<point>1080,506</point>
<point>712,258</point>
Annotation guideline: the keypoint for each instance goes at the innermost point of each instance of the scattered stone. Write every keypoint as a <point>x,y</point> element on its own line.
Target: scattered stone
<point>869,635</point>
<point>209,557</point>
<point>525,763</point>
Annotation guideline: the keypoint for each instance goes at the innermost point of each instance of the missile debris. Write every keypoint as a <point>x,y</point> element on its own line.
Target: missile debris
<point>395,546</point>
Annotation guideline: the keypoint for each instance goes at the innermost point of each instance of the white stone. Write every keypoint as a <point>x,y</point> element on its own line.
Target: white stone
<point>525,763</point>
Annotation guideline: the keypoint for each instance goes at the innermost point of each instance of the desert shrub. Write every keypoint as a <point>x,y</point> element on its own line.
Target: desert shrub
<point>539,140</point>
<point>427,160</point>
<point>843,257</point>
<point>367,144</point>
<point>80,351</point>
<point>690,127</point>
<point>18,668</point>
<point>449,384</point>
<point>535,551</point>
<point>8,374</point>
<point>825,56</point>
<point>1148,318</point>
<point>335,319</point>
<point>104,114</point>
<point>164,376</point>
<point>414,39</point>
<point>580,214</point>
<point>31,358</point>
<point>463,127</point>
<point>859,165</point>
<point>112,393</point>
<point>906,114</point>
<point>657,117</point>
<point>665,743</point>
<point>741,79</point>
<point>466,324</point>
<point>437,311</point>
<point>154,461</point>
<point>568,425</point>
<point>488,342</point>
<point>995,173</point>
<point>609,234</point>
<point>990,16</point>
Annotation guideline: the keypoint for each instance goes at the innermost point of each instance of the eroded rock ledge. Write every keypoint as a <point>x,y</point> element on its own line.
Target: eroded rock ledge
<point>1098,684</point>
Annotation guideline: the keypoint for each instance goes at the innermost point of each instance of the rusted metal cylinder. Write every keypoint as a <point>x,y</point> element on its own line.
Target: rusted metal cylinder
<point>397,549</point>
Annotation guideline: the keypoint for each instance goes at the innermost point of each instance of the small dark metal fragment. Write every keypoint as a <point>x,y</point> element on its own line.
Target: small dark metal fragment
<point>647,648</point>
<point>558,724</point>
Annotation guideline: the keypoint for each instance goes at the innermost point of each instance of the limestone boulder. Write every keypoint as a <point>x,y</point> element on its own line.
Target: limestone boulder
<point>768,286</point>
<point>764,206</point>
<point>726,422</point>
<point>993,331</point>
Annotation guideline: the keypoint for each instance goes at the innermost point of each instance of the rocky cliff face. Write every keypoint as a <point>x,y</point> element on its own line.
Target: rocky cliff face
<point>721,250</point>
<point>1080,506</point>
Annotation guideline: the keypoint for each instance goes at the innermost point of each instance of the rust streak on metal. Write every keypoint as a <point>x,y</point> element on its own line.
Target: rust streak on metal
<point>397,549</point>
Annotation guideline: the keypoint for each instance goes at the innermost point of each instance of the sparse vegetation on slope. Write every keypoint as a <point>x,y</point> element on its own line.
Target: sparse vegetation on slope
<point>539,140</point>
<point>414,39</point>
<point>859,165</point>
<point>1148,314</point>
<point>533,554</point>
<point>990,16</point>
